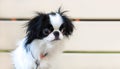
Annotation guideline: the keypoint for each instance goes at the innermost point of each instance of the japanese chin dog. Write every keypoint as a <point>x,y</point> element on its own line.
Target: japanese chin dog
<point>45,35</point>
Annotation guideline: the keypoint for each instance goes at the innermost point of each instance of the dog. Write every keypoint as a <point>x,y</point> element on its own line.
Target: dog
<point>45,36</point>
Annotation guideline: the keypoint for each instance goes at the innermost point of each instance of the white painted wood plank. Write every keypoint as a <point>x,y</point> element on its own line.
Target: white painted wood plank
<point>90,61</point>
<point>10,33</point>
<point>74,61</point>
<point>5,61</point>
<point>88,36</point>
<point>77,8</point>
<point>95,36</point>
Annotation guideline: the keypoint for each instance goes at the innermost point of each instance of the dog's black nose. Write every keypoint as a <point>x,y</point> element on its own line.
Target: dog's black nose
<point>56,33</point>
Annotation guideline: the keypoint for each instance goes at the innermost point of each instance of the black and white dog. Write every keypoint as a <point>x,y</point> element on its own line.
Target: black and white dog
<point>45,36</point>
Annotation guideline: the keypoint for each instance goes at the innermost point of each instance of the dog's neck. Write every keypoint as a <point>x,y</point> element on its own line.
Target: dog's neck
<point>40,48</point>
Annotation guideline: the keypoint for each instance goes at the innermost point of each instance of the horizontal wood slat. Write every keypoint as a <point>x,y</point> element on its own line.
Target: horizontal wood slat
<point>10,33</point>
<point>88,36</point>
<point>6,61</point>
<point>95,36</point>
<point>84,9</point>
<point>89,61</point>
<point>74,61</point>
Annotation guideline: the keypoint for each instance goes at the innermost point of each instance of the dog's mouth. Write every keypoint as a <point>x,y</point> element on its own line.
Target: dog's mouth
<point>56,39</point>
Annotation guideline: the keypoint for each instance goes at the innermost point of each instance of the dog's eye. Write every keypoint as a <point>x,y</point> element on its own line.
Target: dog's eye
<point>46,31</point>
<point>63,30</point>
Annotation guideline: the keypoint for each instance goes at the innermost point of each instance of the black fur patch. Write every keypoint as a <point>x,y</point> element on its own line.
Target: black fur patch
<point>37,26</point>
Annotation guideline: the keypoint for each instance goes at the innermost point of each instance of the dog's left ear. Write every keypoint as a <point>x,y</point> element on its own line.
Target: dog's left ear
<point>34,23</point>
<point>69,27</point>
<point>34,27</point>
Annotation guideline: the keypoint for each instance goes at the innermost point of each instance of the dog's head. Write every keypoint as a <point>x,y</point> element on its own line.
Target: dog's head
<point>52,26</point>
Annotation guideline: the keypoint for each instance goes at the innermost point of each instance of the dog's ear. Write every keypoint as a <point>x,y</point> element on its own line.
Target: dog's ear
<point>34,27</point>
<point>34,23</point>
<point>69,27</point>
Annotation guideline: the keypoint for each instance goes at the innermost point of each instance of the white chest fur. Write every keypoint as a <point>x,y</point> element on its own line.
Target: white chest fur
<point>24,60</point>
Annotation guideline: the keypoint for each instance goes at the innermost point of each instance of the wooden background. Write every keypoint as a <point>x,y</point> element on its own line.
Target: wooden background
<point>95,43</point>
